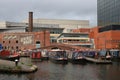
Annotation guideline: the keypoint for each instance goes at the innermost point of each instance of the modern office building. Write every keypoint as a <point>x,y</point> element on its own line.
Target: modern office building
<point>108,12</point>
<point>106,34</point>
<point>76,39</point>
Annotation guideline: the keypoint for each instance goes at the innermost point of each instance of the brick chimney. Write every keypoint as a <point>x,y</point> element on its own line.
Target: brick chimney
<point>30,27</point>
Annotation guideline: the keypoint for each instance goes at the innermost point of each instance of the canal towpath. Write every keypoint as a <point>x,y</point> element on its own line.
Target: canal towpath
<point>10,66</point>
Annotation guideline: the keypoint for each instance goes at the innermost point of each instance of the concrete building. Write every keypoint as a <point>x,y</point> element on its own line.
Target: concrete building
<point>63,23</point>
<point>76,39</point>
<point>6,26</point>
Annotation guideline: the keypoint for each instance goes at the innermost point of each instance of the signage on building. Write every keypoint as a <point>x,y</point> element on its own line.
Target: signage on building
<point>8,37</point>
<point>26,39</point>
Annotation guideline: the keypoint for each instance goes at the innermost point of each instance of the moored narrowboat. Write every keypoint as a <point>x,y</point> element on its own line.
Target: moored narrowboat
<point>105,55</point>
<point>115,53</point>
<point>44,54</point>
<point>90,54</point>
<point>58,56</point>
<point>76,57</point>
<point>36,56</point>
<point>8,55</point>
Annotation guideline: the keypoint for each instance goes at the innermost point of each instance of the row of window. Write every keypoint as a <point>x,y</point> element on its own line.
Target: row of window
<point>10,41</point>
<point>74,40</point>
<point>113,41</point>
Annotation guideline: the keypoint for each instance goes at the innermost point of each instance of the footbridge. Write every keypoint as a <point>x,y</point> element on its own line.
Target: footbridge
<point>61,46</point>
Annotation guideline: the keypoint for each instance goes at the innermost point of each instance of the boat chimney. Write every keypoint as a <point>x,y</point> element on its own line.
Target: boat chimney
<point>30,22</point>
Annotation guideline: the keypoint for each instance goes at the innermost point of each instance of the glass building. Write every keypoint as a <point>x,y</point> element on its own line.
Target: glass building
<point>108,12</point>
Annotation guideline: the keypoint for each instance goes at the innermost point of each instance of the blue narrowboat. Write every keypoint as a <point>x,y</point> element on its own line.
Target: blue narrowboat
<point>105,54</point>
<point>58,56</point>
<point>91,54</point>
<point>76,57</point>
<point>115,54</point>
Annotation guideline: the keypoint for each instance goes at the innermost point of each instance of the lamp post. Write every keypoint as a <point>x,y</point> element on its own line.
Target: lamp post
<point>16,62</point>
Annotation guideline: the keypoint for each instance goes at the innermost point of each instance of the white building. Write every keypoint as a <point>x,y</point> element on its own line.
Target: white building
<point>63,23</point>
<point>12,27</point>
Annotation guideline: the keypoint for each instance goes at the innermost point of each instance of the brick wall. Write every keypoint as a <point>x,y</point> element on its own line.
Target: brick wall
<point>26,40</point>
<point>108,39</point>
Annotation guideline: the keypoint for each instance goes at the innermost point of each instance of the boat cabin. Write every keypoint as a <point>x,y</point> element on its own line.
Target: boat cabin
<point>105,54</point>
<point>115,53</point>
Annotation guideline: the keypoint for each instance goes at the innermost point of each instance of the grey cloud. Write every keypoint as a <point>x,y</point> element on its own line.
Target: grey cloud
<point>17,10</point>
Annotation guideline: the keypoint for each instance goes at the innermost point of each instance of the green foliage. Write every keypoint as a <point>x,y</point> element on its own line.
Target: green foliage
<point>17,67</point>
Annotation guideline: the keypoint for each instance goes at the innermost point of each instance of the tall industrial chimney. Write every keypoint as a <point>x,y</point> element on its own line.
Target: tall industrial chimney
<point>30,22</point>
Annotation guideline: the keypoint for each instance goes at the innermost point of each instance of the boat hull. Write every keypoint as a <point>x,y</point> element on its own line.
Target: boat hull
<point>58,61</point>
<point>10,58</point>
<point>45,58</point>
<point>78,61</point>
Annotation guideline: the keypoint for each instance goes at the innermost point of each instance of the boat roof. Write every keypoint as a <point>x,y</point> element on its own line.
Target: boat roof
<point>114,50</point>
<point>56,50</point>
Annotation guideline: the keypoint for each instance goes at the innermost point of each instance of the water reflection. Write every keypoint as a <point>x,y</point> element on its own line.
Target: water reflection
<point>51,71</point>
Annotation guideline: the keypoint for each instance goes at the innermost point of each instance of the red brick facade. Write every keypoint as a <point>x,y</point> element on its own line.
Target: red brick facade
<point>84,30</point>
<point>27,40</point>
<point>108,39</point>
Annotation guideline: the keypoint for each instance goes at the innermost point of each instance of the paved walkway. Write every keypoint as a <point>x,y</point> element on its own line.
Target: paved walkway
<point>22,66</point>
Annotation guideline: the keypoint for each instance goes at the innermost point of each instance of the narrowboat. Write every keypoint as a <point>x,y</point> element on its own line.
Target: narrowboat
<point>58,56</point>
<point>36,56</point>
<point>105,55</point>
<point>76,57</point>
<point>90,54</point>
<point>8,55</point>
<point>44,54</point>
<point>115,53</point>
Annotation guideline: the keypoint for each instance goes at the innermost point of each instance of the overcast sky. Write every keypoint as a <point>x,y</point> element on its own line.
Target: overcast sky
<point>17,10</point>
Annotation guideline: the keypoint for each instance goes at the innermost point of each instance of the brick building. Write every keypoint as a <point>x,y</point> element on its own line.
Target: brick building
<point>25,40</point>
<point>81,30</point>
<point>105,40</point>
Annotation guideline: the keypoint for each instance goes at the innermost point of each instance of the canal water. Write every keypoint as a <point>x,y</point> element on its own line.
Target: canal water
<point>51,71</point>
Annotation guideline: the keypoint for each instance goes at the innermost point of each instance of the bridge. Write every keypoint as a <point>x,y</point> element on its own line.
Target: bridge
<point>62,46</point>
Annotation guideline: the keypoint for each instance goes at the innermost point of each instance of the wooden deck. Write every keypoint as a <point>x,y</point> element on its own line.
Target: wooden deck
<point>98,61</point>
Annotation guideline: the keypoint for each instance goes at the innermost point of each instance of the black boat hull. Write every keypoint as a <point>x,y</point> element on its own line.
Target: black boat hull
<point>77,61</point>
<point>10,58</point>
<point>45,58</point>
<point>58,61</point>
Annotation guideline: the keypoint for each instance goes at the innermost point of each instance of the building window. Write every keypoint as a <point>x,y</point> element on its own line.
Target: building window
<point>3,41</point>
<point>16,41</point>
